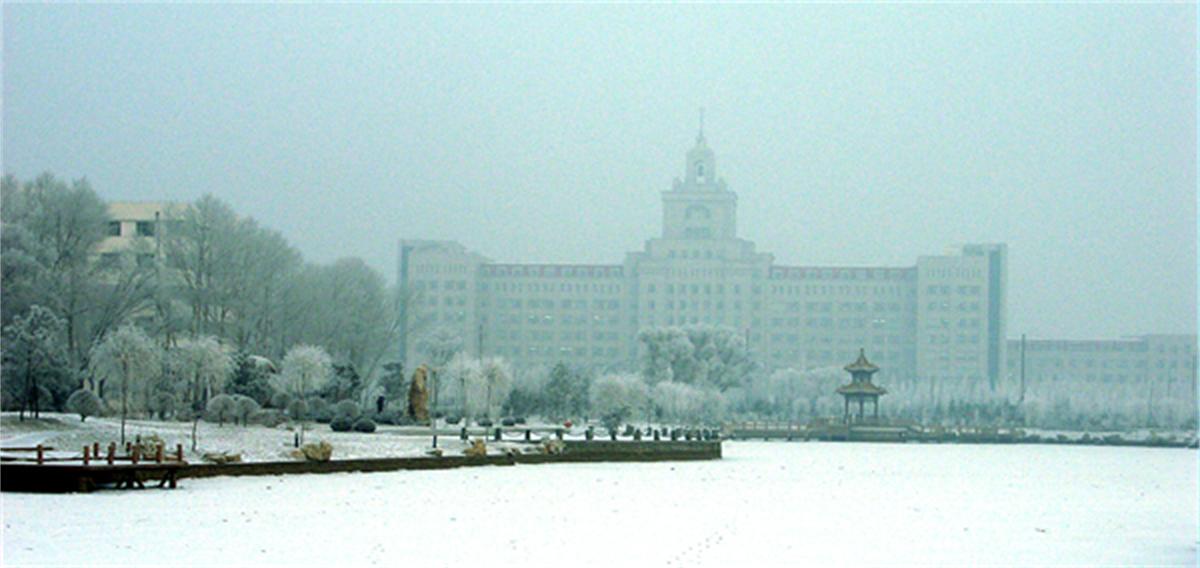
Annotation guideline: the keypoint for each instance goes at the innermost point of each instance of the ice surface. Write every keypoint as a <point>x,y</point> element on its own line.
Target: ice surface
<point>766,504</point>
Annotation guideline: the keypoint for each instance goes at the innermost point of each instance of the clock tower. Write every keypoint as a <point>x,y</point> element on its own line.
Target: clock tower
<point>699,206</point>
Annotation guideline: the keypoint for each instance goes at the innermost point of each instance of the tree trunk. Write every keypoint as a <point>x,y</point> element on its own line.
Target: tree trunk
<point>124,397</point>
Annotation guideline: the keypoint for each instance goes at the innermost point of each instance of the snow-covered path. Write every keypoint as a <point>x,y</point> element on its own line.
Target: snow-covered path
<point>766,504</point>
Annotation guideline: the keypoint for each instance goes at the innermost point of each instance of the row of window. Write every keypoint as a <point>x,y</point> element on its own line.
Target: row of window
<point>946,290</point>
<point>141,228</point>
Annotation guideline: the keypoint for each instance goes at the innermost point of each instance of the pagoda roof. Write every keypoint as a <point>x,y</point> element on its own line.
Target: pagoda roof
<point>861,364</point>
<point>862,388</point>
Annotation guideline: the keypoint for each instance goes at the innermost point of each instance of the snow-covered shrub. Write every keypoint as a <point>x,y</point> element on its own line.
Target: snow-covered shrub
<point>619,397</point>
<point>280,400</point>
<point>84,403</point>
<point>297,409</point>
<point>341,424</point>
<point>221,408</point>
<point>385,417</point>
<point>403,419</point>
<point>364,425</point>
<point>245,407</point>
<point>320,410</point>
<point>163,404</point>
<point>453,419</point>
<point>268,417</point>
<point>347,408</point>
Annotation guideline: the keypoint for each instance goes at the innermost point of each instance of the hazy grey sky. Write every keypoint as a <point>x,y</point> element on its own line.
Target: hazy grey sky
<point>853,134</point>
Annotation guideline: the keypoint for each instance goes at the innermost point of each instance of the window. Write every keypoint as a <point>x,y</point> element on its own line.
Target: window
<point>145,229</point>
<point>114,228</point>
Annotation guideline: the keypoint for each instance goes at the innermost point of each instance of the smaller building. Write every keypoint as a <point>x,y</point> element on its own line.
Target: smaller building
<point>861,389</point>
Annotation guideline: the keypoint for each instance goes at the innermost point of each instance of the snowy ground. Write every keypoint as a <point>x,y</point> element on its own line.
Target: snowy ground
<point>765,504</point>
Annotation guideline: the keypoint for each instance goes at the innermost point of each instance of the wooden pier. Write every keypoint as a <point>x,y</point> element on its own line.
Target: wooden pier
<point>41,469</point>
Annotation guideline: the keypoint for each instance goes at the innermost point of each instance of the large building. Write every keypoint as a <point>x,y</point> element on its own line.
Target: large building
<point>944,317</point>
<point>1165,359</point>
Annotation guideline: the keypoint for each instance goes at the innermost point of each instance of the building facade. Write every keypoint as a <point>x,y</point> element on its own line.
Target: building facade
<point>944,316</point>
<point>1163,359</point>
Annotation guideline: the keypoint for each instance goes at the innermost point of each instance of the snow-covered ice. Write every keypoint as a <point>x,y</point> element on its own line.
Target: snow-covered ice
<point>765,504</point>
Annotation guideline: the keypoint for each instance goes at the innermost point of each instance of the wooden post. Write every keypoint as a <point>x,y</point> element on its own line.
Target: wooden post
<point>112,451</point>
<point>528,435</point>
<point>96,449</point>
<point>41,455</point>
<point>158,454</point>
<point>179,452</point>
<point>87,455</point>
<point>135,454</point>
<point>497,435</point>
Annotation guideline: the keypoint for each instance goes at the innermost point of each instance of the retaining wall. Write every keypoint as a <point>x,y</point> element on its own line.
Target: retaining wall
<point>573,452</point>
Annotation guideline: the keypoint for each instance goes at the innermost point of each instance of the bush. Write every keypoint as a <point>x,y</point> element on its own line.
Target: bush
<point>297,409</point>
<point>341,424</point>
<point>268,417</point>
<point>385,417</point>
<point>453,419</point>
<point>484,422</point>
<point>319,409</point>
<point>347,408</point>
<point>84,403</point>
<point>280,400</point>
<point>364,425</point>
<point>405,420</point>
<point>246,407</point>
<point>221,408</point>
<point>508,422</point>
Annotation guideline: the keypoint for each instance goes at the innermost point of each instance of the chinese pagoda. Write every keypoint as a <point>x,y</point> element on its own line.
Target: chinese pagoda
<point>861,389</point>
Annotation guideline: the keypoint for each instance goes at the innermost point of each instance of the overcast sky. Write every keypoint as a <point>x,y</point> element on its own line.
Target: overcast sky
<point>853,134</point>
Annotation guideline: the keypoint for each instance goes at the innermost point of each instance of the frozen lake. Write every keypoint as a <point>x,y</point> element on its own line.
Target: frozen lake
<point>766,504</point>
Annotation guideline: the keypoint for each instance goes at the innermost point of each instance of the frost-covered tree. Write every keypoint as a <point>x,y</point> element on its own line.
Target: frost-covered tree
<point>84,403</point>
<point>676,402</point>
<point>527,395</point>
<point>251,377</point>
<point>818,387</point>
<point>33,358</point>
<point>617,398</point>
<point>497,382</point>
<point>461,382</point>
<point>305,369</point>
<point>222,407</point>
<point>566,392</point>
<point>204,364</point>
<point>50,232</point>
<point>786,387</point>
<point>700,355</point>
<point>129,359</point>
<point>245,408</point>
